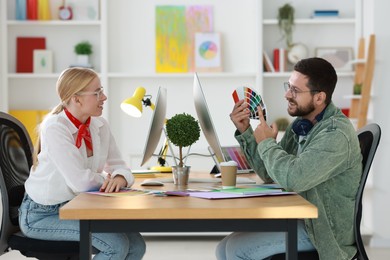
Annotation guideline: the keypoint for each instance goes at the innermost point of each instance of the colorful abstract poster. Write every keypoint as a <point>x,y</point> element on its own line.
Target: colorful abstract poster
<point>175,33</point>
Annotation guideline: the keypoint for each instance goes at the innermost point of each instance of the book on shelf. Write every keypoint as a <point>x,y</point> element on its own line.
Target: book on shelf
<point>25,47</point>
<point>20,10</point>
<point>280,60</point>
<point>268,67</point>
<point>32,9</point>
<point>325,14</point>
<point>43,11</point>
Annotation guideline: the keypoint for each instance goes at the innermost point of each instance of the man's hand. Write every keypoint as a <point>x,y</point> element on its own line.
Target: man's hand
<point>263,131</point>
<point>113,184</point>
<point>240,116</point>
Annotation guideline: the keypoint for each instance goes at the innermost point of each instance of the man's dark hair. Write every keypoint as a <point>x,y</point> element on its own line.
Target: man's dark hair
<point>321,75</point>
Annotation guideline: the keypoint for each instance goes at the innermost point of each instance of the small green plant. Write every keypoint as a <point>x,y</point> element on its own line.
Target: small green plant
<point>286,23</point>
<point>357,89</point>
<point>83,48</point>
<point>282,123</point>
<point>182,130</point>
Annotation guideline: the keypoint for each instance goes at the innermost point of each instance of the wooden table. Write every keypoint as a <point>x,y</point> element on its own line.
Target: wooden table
<point>148,213</point>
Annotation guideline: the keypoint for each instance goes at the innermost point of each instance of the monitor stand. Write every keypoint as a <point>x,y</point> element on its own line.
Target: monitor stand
<point>214,170</point>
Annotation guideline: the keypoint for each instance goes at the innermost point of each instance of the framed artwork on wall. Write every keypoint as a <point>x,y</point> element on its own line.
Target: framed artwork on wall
<point>340,57</point>
<point>176,26</point>
<point>208,52</point>
<point>43,61</point>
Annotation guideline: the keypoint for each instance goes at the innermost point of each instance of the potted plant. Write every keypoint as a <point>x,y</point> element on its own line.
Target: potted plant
<point>83,50</point>
<point>286,23</point>
<point>295,51</point>
<point>182,130</point>
<point>282,123</point>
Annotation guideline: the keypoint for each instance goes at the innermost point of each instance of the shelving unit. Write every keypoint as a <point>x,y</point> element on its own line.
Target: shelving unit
<point>124,56</point>
<point>319,32</point>
<point>61,37</point>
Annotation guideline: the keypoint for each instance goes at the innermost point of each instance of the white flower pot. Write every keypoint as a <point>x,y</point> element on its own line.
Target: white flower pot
<point>83,59</point>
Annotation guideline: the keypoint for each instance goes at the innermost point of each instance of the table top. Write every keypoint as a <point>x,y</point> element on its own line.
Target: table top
<point>94,207</point>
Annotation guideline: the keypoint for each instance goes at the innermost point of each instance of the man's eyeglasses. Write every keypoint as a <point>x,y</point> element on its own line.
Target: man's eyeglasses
<point>97,93</point>
<point>294,91</point>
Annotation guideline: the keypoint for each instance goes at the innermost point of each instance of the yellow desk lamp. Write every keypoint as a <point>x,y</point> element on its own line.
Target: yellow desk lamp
<point>133,107</point>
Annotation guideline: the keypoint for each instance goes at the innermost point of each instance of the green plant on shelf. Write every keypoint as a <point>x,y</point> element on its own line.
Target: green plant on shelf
<point>357,89</point>
<point>286,23</point>
<point>83,48</point>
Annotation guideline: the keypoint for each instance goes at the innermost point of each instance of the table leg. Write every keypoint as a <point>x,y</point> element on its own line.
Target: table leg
<point>292,240</point>
<point>85,240</point>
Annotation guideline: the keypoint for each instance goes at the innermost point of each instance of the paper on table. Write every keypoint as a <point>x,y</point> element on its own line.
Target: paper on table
<point>121,193</point>
<point>240,180</point>
<point>223,195</point>
<point>226,195</point>
<point>254,190</point>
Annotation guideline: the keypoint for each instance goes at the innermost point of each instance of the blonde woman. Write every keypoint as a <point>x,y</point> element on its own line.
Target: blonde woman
<point>76,152</point>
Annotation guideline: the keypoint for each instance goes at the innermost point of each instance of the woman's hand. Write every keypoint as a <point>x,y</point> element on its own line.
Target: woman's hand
<point>113,184</point>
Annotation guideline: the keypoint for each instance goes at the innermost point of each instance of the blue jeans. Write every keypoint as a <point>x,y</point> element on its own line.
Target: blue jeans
<point>42,222</point>
<point>259,245</point>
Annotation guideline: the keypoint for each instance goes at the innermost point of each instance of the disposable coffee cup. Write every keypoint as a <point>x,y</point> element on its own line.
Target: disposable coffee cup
<point>228,174</point>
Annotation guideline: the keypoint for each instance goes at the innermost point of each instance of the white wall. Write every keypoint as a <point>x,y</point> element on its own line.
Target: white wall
<point>124,30</point>
<point>381,94</point>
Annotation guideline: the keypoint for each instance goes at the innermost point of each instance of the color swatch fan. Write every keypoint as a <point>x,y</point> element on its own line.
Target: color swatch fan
<point>252,99</point>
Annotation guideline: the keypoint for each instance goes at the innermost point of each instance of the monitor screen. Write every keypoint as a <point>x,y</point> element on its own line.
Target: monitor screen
<point>156,125</point>
<point>205,120</point>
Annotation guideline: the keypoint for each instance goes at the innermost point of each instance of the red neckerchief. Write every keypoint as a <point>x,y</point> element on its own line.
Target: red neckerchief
<point>83,133</point>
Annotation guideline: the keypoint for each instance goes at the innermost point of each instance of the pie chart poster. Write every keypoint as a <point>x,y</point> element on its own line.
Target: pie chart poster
<point>208,52</point>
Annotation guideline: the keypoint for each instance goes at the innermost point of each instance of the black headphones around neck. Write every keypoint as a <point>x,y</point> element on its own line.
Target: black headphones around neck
<point>303,126</point>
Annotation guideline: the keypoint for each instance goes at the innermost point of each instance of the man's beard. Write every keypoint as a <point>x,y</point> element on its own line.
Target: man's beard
<point>300,110</point>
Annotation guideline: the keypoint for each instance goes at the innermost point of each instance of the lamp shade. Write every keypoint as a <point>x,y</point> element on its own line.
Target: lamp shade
<point>133,105</point>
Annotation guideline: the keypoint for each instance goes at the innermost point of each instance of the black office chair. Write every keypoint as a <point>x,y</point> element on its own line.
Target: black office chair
<point>369,137</point>
<point>15,163</point>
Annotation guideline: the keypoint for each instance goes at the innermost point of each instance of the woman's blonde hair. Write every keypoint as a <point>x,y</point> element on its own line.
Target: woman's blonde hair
<point>70,82</point>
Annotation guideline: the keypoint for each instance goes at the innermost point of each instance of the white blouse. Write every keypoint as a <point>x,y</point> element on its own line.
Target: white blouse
<point>63,170</point>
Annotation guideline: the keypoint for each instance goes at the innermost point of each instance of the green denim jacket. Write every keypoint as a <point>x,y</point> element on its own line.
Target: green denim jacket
<point>327,173</point>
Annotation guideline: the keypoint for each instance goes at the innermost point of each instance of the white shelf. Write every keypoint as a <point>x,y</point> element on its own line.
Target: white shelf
<point>33,76</point>
<point>287,74</point>
<point>276,74</point>
<point>353,97</point>
<point>315,21</point>
<point>181,75</point>
<point>53,23</point>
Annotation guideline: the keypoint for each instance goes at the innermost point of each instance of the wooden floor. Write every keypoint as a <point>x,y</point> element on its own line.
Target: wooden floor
<point>190,248</point>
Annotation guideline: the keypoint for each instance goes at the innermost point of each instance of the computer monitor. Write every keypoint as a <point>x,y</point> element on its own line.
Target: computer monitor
<point>156,125</point>
<point>205,120</point>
